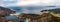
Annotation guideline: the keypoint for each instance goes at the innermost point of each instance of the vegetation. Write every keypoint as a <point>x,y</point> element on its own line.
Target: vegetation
<point>45,17</point>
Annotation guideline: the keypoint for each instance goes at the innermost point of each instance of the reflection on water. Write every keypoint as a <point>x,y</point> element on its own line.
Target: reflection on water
<point>12,17</point>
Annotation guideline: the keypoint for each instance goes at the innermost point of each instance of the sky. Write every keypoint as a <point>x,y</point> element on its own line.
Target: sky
<point>27,3</point>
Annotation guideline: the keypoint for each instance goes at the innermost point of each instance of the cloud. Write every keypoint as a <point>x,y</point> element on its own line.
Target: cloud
<point>27,2</point>
<point>7,2</point>
<point>57,2</point>
<point>36,2</point>
<point>33,2</point>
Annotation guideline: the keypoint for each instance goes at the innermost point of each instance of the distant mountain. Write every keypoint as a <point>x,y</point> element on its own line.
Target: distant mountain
<point>57,10</point>
<point>51,6</point>
<point>31,9</point>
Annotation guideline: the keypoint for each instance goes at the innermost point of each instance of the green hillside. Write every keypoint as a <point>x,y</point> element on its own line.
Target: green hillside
<point>55,10</point>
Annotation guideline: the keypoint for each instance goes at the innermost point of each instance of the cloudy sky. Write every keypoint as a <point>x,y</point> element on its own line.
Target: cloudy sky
<point>29,2</point>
